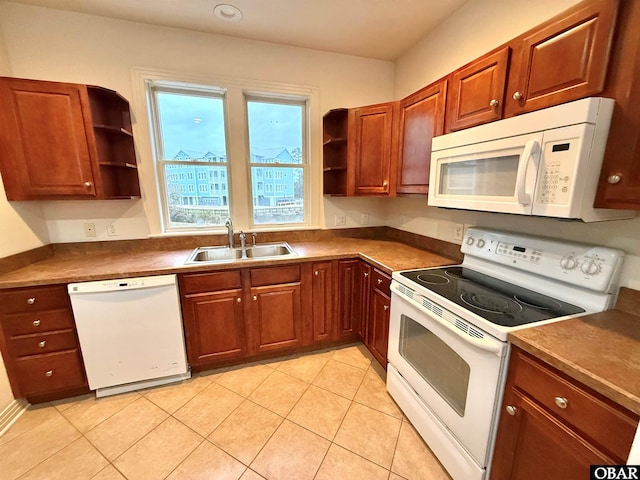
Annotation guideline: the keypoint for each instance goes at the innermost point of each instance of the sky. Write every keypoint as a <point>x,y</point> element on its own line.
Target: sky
<point>196,124</point>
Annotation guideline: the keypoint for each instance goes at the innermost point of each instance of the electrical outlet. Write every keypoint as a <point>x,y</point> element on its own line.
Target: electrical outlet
<point>89,229</point>
<point>112,230</point>
<point>458,231</point>
<point>364,219</point>
<point>339,220</point>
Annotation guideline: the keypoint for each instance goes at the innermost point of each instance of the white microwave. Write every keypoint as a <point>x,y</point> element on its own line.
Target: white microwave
<point>545,163</point>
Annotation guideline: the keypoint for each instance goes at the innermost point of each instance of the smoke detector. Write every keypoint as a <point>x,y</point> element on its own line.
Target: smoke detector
<point>227,13</point>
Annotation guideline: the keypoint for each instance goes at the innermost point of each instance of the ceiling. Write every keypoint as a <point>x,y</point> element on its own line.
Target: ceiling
<point>381,29</point>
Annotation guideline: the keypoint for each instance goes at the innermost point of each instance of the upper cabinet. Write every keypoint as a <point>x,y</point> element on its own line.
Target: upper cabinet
<point>370,152</point>
<point>421,119</point>
<point>564,59</point>
<point>65,141</point>
<point>477,91</point>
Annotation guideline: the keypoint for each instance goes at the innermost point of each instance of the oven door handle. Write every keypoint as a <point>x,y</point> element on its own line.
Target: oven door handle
<point>531,149</point>
<point>487,344</point>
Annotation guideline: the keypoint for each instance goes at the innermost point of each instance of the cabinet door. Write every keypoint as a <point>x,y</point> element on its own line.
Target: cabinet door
<point>476,91</point>
<point>275,317</point>
<point>563,60</point>
<point>214,326</point>
<point>362,301</point>
<point>350,294</point>
<point>421,119</point>
<point>43,140</point>
<point>322,300</point>
<point>532,444</point>
<point>379,325</point>
<point>372,149</point>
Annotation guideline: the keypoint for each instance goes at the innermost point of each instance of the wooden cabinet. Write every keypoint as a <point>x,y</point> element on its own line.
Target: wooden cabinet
<point>372,163</point>
<point>335,135</point>
<point>322,302</point>
<point>379,310</point>
<point>213,316</point>
<point>619,184</point>
<point>353,291</point>
<point>476,94</point>
<point>421,119</point>
<point>563,59</point>
<point>65,141</point>
<point>39,344</point>
<point>551,426</point>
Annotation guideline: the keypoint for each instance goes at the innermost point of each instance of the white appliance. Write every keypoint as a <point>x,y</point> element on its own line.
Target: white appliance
<point>130,333</point>
<point>448,354</point>
<point>544,163</point>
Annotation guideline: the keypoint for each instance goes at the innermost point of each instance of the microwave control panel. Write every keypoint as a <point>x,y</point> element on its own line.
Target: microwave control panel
<point>558,161</point>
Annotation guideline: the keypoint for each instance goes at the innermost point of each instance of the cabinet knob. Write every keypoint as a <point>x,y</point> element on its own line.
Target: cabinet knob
<point>366,274</point>
<point>493,103</point>
<point>239,300</point>
<point>48,373</point>
<point>379,281</point>
<point>386,307</point>
<point>255,297</point>
<point>613,179</point>
<point>511,410</point>
<point>87,184</point>
<point>31,300</point>
<point>316,273</point>
<point>561,402</point>
<point>42,344</point>
<point>385,183</point>
<point>517,96</point>
<point>36,323</point>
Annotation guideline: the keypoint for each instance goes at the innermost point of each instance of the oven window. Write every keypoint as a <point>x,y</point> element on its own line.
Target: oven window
<point>495,177</point>
<point>436,362</point>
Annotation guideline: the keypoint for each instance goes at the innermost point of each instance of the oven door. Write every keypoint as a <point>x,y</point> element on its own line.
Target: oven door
<point>494,176</point>
<point>458,376</point>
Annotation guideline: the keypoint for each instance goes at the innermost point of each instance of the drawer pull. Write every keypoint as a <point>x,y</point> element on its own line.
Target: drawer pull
<point>386,307</point>
<point>42,344</point>
<point>238,300</point>
<point>48,373</point>
<point>561,402</point>
<point>36,323</point>
<point>511,410</point>
<point>366,274</point>
<point>31,300</point>
<point>379,281</point>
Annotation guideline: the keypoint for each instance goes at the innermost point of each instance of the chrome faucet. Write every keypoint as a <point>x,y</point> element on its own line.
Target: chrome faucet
<point>229,225</point>
<point>243,244</point>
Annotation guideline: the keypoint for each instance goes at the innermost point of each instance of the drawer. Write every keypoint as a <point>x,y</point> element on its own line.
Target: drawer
<point>210,282</point>
<point>34,299</point>
<point>36,322</point>
<point>381,281</point>
<point>275,275</point>
<point>41,343</point>
<point>607,424</point>
<point>46,373</point>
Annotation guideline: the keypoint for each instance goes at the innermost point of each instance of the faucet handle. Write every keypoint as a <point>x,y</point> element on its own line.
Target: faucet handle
<point>253,239</point>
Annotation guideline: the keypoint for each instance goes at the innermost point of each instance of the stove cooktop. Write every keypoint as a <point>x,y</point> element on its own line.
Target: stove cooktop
<point>494,300</point>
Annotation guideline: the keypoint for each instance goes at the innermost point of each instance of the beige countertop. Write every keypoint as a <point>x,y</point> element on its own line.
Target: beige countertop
<point>79,266</point>
<point>601,350</point>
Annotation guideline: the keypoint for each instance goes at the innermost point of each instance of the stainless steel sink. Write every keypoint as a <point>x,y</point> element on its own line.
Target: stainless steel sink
<point>225,254</point>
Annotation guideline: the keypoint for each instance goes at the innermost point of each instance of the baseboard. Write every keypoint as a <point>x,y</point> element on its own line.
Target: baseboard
<point>10,414</point>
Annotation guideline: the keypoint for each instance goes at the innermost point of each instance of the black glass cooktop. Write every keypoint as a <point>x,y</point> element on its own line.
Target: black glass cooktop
<point>497,301</point>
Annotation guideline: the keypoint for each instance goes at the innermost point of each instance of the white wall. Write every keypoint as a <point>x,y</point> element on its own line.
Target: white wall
<point>476,28</point>
<point>55,45</point>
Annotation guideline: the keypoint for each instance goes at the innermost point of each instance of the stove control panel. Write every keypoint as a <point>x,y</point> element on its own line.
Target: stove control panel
<point>583,265</point>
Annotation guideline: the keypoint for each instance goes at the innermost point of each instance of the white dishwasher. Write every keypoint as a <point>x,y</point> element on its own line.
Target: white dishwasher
<point>130,333</point>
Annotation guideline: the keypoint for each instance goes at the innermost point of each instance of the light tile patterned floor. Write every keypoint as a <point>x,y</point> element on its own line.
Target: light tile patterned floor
<point>320,416</point>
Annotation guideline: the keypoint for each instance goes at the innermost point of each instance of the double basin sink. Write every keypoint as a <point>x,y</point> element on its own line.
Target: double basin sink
<point>203,255</point>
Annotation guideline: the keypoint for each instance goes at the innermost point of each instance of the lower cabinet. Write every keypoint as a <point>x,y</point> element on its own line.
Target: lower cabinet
<point>39,344</point>
<point>322,302</point>
<point>551,426</point>
<point>378,321</point>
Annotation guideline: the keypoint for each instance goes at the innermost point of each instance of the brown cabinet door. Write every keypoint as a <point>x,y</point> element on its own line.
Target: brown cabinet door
<point>421,119</point>
<point>275,317</point>
<point>532,444</point>
<point>350,301</point>
<point>43,139</point>
<point>322,302</point>
<point>361,301</point>
<point>379,325</point>
<point>372,149</point>
<point>476,91</point>
<point>214,326</point>
<point>563,60</point>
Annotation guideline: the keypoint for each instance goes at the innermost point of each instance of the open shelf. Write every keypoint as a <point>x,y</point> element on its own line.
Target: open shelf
<point>334,151</point>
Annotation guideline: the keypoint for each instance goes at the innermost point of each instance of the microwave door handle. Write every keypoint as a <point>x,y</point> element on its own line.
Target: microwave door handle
<point>531,148</point>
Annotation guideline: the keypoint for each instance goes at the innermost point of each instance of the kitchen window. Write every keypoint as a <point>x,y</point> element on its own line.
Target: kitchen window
<point>238,132</point>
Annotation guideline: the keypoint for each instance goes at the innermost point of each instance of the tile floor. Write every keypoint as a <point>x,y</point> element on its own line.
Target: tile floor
<point>324,415</point>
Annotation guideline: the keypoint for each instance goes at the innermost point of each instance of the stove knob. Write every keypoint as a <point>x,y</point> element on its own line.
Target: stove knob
<point>590,268</point>
<point>568,263</point>
<point>480,243</point>
<point>470,241</point>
